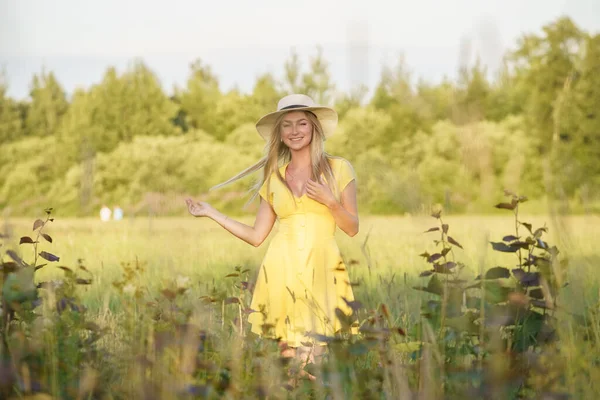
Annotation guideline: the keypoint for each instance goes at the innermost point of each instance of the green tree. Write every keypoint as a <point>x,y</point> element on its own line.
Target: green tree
<point>118,109</point>
<point>580,126</point>
<point>395,95</point>
<point>436,102</point>
<point>472,94</point>
<point>316,82</point>
<point>265,95</point>
<point>507,96</point>
<point>545,64</point>
<point>354,99</point>
<point>233,110</point>
<point>10,119</point>
<point>200,97</point>
<point>47,107</point>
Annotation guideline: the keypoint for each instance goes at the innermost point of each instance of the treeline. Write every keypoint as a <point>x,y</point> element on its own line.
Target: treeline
<point>534,128</point>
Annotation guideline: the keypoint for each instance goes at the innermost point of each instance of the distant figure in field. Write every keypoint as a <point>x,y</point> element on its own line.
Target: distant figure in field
<point>302,279</point>
<point>105,213</point>
<point>118,213</point>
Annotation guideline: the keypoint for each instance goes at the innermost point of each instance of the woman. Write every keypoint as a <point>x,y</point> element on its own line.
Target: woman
<point>302,279</point>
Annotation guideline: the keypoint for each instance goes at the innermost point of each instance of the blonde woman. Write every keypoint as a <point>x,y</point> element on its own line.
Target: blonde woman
<point>302,279</point>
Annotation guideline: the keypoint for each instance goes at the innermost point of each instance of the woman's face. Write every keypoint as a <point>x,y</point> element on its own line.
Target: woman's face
<point>296,130</point>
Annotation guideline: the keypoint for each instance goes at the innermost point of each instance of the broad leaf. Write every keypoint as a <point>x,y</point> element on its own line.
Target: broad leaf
<point>434,257</point>
<point>510,238</point>
<point>527,278</point>
<point>527,225</point>
<point>536,294</point>
<point>47,237</point>
<point>38,224</point>
<point>505,206</point>
<point>503,247</point>
<point>26,239</point>
<point>49,256</point>
<point>435,228</point>
<point>497,272</point>
<point>441,269</point>
<point>520,245</point>
<point>454,242</point>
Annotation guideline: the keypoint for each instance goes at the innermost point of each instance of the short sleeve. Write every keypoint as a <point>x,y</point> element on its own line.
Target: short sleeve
<point>263,192</point>
<point>345,175</point>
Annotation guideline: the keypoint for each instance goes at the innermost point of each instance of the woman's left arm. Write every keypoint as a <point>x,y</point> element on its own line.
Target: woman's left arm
<point>345,211</point>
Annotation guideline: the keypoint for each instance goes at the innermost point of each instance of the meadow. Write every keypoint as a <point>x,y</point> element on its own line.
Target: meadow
<point>164,314</point>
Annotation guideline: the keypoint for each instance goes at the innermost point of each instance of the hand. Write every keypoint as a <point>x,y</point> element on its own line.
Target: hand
<point>198,209</point>
<point>320,192</point>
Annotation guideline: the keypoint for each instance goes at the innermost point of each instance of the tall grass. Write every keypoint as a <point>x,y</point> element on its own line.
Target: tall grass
<point>162,318</point>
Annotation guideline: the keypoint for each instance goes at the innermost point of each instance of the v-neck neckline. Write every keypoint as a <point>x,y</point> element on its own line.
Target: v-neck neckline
<point>285,166</point>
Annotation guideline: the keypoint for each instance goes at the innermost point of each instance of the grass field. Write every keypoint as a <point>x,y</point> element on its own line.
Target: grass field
<point>197,255</point>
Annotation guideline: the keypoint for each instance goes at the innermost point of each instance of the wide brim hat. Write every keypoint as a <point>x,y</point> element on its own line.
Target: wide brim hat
<point>298,102</point>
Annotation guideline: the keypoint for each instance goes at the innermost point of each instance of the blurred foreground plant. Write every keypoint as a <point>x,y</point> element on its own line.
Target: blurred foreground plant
<point>493,332</point>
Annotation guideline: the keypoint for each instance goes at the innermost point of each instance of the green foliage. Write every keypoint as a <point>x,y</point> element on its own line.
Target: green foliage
<point>534,128</point>
<point>505,312</point>
<point>47,337</point>
<point>396,95</point>
<point>115,111</point>
<point>315,83</point>
<point>152,174</point>
<point>199,99</point>
<point>545,64</point>
<point>47,107</point>
<point>579,147</point>
<point>500,335</point>
<point>10,120</point>
<point>473,94</point>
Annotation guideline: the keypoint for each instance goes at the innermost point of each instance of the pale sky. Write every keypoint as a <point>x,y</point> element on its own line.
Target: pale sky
<point>79,39</point>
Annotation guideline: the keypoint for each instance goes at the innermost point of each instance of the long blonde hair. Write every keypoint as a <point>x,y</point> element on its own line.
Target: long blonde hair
<point>277,152</point>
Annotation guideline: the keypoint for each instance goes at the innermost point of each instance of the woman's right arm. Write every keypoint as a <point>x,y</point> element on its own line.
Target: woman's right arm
<point>254,235</point>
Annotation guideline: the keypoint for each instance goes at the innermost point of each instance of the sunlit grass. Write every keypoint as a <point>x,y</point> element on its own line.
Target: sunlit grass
<point>197,254</point>
<point>202,251</point>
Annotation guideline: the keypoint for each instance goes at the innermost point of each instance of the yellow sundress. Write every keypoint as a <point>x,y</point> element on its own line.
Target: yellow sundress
<point>302,278</point>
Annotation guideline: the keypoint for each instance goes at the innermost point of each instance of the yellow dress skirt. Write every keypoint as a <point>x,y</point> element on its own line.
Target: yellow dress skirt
<point>302,278</point>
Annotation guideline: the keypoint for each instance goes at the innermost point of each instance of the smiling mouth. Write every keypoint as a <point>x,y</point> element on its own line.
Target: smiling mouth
<point>296,139</point>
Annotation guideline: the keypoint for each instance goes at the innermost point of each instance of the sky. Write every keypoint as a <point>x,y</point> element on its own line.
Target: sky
<point>242,39</point>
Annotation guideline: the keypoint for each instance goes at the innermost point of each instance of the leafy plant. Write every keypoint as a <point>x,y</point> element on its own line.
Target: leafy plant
<point>35,314</point>
<point>504,311</point>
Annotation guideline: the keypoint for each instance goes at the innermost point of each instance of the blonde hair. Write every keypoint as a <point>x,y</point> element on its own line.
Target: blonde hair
<point>277,152</point>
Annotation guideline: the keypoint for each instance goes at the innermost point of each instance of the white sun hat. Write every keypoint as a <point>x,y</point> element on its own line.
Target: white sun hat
<point>298,102</point>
